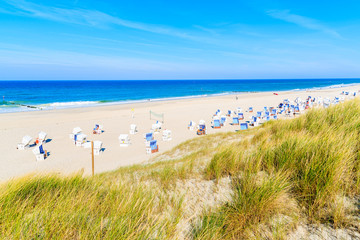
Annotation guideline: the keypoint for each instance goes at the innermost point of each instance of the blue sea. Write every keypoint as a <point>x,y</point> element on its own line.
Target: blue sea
<point>16,96</point>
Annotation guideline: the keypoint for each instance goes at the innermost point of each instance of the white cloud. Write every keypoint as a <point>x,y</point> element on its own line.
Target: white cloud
<point>302,21</point>
<point>87,17</point>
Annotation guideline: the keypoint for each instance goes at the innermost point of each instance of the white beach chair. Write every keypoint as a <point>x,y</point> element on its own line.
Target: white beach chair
<point>326,102</point>
<point>156,127</point>
<point>97,147</point>
<point>76,130</point>
<point>133,129</point>
<point>124,140</point>
<point>42,138</point>
<point>25,143</point>
<point>39,152</point>
<point>80,139</point>
<point>166,135</point>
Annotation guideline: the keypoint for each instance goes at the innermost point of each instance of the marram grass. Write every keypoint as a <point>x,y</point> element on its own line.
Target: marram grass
<point>319,152</point>
<point>283,172</point>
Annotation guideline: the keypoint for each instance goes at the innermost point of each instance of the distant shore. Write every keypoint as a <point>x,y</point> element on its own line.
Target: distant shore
<point>21,96</point>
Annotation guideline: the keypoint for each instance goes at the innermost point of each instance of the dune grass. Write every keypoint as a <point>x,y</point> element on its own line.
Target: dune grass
<point>52,207</point>
<point>316,157</point>
<point>305,169</point>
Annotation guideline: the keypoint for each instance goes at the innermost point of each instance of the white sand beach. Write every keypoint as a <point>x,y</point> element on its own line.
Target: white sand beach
<point>66,158</point>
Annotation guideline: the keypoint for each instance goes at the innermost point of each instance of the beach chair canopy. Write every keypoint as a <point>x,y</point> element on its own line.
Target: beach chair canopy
<point>235,120</point>
<point>202,127</point>
<point>167,133</point>
<point>76,130</point>
<point>26,140</point>
<point>124,137</point>
<point>216,123</point>
<point>243,126</point>
<point>153,144</point>
<point>42,135</point>
<point>80,137</point>
<point>298,100</point>
<point>258,114</point>
<point>98,144</point>
<point>223,119</point>
<point>149,136</point>
<point>327,100</point>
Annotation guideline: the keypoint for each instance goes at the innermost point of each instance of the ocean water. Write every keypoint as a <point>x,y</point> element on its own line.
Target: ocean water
<point>39,95</point>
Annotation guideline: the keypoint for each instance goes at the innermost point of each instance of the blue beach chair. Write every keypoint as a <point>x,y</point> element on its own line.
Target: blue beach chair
<point>243,126</point>
<point>149,137</point>
<point>241,116</point>
<point>235,121</point>
<point>254,122</point>
<point>216,123</point>
<point>154,147</point>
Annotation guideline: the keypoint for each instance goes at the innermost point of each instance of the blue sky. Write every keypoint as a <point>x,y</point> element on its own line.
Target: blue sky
<point>204,39</point>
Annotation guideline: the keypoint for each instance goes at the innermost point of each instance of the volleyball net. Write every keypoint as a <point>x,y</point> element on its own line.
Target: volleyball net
<point>157,116</point>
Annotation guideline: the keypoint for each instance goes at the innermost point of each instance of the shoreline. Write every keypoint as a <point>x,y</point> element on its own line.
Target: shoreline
<point>65,158</point>
<point>90,103</point>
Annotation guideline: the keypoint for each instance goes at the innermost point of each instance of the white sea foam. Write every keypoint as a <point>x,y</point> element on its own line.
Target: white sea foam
<point>78,104</point>
<point>67,104</point>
